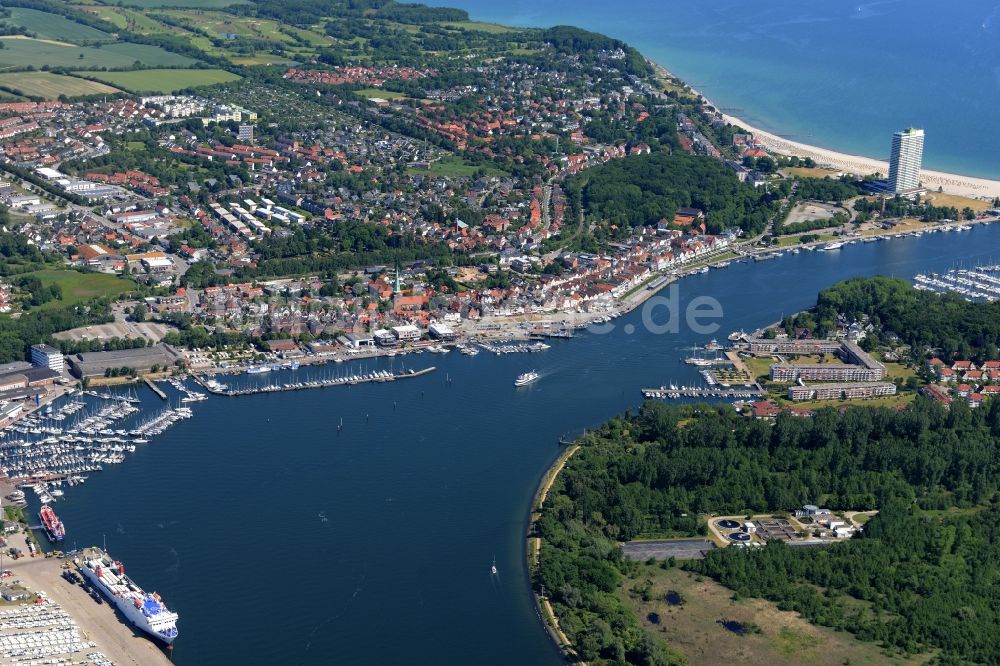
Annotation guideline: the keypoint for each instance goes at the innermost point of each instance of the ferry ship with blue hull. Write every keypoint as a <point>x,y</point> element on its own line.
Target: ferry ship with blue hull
<point>146,611</point>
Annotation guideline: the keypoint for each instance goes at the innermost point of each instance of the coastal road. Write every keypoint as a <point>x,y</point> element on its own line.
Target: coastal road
<point>99,623</point>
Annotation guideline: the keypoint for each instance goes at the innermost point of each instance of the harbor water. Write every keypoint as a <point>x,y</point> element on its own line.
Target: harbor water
<point>279,539</point>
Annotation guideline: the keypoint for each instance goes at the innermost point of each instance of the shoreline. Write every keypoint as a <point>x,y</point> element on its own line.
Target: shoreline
<point>859,165</point>
<point>543,609</point>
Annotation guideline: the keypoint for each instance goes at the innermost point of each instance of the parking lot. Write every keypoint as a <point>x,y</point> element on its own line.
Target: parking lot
<point>681,549</point>
<point>44,631</point>
<point>119,329</point>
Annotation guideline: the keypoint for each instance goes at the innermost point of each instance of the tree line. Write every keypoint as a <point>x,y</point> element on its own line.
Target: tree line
<point>923,568</point>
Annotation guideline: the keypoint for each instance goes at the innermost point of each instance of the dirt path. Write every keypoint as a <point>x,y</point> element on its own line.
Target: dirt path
<point>44,41</point>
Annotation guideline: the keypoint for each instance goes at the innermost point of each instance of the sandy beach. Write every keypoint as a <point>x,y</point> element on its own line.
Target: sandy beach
<point>966,186</point>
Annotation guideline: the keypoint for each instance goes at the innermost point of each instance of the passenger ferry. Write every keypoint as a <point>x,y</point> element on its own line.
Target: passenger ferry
<point>526,378</point>
<point>144,610</point>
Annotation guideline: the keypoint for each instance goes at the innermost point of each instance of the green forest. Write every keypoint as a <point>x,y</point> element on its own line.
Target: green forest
<point>943,324</point>
<point>919,579</point>
<point>924,568</point>
<point>645,189</point>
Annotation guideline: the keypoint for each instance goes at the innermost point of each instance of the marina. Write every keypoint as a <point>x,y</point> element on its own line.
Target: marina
<point>676,392</point>
<point>377,376</point>
<point>61,444</point>
<point>980,284</point>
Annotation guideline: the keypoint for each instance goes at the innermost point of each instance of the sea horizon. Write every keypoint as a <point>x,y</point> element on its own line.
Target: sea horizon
<point>778,68</point>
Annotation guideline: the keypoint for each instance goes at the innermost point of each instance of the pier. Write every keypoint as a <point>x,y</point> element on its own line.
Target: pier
<point>371,378</point>
<point>673,392</point>
<point>154,388</point>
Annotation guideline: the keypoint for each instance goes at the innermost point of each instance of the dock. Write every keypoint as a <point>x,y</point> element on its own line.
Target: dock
<point>674,393</point>
<point>700,361</point>
<point>154,388</point>
<point>371,378</point>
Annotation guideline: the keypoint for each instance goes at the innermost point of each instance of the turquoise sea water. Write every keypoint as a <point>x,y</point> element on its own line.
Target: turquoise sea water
<point>841,75</point>
<point>280,541</point>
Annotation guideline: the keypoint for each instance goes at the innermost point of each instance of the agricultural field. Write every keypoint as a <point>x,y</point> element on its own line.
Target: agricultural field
<point>313,38</point>
<point>217,23</point>
<point>494,28</point>
<point>200,4</point>
<point>250,61</point>
<point>53,26</point>
<point>51,86</point>
<point>20,52</point>
<point>114,16</point>
<point>77,286</point>
<point>163,80</point>
<point>127,19</point>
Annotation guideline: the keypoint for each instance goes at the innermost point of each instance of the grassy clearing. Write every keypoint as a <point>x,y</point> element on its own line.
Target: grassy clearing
<point>377,92</point>
<point>759,365</point>
<point>811,172</point>
<point>880,401</point>
<point>453,166</point>
<point>36,53</point>
<point>894,370</point>
<point>164,80</point>
<point>693,630</point>
<point>51,86</point>
<point>53,26</point>
<point>77,287</point>
<point>940,199</point>
<point>788,241</point>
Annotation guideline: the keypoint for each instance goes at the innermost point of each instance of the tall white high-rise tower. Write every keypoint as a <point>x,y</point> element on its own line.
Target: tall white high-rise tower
<point>904,163</point>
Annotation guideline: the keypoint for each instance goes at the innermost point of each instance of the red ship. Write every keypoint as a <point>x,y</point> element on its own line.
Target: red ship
<point>53,527</point>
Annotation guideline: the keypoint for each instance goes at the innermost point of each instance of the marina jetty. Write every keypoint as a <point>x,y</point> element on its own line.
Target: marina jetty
<point>676,392</point>
<point>154,388</point>
<point>379,376</point>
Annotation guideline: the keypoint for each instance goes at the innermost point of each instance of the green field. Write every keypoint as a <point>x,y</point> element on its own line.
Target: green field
<point>114,16</point>
<point>163,80</point>
<point>36,53</point>
<point>51,86</point>
<point>494,28</point>
<point>453,166</point>
<point>378,92</point>
<point>77,287</point>
<point>53,26</point>
<point>691,627</point>
<point>127,19</point>
<point>216,23</point>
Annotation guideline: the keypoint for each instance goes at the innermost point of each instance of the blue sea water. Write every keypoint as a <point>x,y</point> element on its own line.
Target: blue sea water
<point>280,541</point>
<point>837,74</point>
